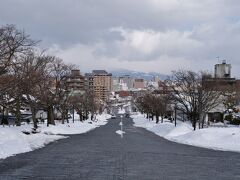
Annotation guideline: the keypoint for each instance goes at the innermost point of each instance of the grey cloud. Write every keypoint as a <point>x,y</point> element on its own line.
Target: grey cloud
<point>213,27</point>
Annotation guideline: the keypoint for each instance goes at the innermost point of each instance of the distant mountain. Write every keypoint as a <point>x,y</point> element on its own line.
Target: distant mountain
<point>137,74</point>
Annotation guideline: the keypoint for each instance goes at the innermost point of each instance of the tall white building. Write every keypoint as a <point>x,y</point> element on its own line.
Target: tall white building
<point>223,70</point>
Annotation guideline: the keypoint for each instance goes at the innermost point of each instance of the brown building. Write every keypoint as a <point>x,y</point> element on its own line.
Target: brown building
<point>76,82</point>
<point>138,84</point>
<point>221,84</point>
<point>101,83</point>
<point>124,94</point>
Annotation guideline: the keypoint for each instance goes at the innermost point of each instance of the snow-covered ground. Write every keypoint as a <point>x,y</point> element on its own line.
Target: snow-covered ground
<point>13,141</point>
<point>218,138</point>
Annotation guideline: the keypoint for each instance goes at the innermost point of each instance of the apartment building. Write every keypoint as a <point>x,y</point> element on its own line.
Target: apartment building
<point>89,82</point>
<point>100,81</point>
<point>138,84</point>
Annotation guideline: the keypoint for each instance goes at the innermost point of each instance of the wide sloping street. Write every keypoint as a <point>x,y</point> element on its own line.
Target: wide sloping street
<point>103,154</point>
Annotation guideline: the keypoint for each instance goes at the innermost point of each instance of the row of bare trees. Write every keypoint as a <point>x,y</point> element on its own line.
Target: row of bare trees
<point>154,105</point>
<point>33,78</point>
<point>187,94</point>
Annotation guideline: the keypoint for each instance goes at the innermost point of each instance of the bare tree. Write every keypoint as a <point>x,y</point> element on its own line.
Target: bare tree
<point>143,104</point>
<point>191,97</point>
<point>51,88</point>
<point>33,67</point>
<point>13,43</point>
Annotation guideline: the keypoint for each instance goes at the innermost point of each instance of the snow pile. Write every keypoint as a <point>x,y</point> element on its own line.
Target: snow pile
<point>13,141</point>
<point>77,127</point>
<point>218,138</point>
<point>121,111</point>
<point>227,139</point>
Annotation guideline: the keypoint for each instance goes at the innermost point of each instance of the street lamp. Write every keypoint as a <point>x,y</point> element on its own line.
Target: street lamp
<point>73,113</point>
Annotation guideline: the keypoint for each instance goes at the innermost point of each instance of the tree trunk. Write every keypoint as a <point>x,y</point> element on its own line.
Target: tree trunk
<point>67,116</point>
<point>4,119</point>
<point>80,116</point>
<point>73,116</point>
<point>194,124</point>
<point>183,117</point>
<point>157,118</point>
<point>86,115</point>
<point>18,113</point>
<point>34,118</point>
<point>203,120</point>
<point>162,119</point>
<point>50,116</point>
<point>63,117</point>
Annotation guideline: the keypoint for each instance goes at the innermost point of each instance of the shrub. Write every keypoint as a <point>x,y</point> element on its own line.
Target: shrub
<point>228,117</point>
<point>235,121</point>
<point>4,121</point>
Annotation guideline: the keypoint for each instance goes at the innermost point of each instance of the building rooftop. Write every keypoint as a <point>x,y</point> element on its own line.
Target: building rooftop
<point>99,72</point>
<point>139,80</point>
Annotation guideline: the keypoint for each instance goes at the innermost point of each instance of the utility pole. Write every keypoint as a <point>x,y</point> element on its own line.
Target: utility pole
<point>73,114</point>
<point>175,115</point>
<point>121,126</point>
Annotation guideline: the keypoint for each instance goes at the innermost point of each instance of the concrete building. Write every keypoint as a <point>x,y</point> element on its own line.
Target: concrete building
<point>102,84</point>
<point>116,84</point>
<point>223,70</point>
<point>223,82</point>
<point>89,82</point>
<point>122,83</point>
<point>128,80</point>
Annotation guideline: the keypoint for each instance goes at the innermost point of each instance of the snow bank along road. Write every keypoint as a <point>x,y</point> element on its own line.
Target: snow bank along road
<point>218,138</point>
<point>13,141</point>
<point>102,154</point>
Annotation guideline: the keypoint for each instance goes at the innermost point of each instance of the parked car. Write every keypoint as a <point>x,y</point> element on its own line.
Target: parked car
<point>113,116</point>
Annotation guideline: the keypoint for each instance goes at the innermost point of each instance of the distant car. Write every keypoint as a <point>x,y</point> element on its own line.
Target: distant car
<point>127,115</point>
<point>113,116</point>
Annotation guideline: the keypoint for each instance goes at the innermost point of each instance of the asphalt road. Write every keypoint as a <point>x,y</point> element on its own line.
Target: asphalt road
<point>102,155</point>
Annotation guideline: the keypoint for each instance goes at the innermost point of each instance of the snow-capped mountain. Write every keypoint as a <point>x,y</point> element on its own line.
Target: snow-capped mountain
<point>137,74</point>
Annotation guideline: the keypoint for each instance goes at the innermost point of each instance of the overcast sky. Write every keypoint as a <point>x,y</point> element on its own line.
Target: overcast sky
<point>141,35</point>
